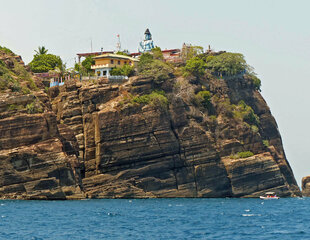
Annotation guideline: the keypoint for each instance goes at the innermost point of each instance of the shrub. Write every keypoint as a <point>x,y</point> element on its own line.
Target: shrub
<point>125,70</point>
<point>254,128</point>
<point>157,70</point>
<point>195,66</point>
<point>25,90</point>
<point>144,61</point>
<point>242,155</point>
<point>245,154</point>
<point>188,52</point>
<point>34,107</point>
<point>203,98</point>
<point>45,63</point>
<point>266,143</point>
<point>255,80</point>
<point>8,82</point>
<point>156,98</point>
<point>6,50</point>
<point>227,63</point>
<point>157,53</point>
<point>246,113</point>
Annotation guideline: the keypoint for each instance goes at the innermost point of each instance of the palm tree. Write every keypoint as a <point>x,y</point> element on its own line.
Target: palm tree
<point>41,50</point>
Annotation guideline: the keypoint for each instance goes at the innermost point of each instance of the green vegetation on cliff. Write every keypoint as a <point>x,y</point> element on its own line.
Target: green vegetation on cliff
<point>226,63</point>
<point>149,67</point>
<point>195,66</point>
<point>5,50</point>
<point>45,63</point>
<point>242,155</point>
<point>16,77</point>
<point>125,70</point>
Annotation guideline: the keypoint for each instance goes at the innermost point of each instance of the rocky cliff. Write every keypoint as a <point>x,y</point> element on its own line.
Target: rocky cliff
<point>36,158</point>
<point>182,137</point>
<point>306,186</point>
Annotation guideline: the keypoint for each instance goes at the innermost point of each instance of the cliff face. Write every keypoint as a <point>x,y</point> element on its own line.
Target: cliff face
<point>141,139</point>
<point>34,160</point>
<point>133,149</point>
<point>306,186</point>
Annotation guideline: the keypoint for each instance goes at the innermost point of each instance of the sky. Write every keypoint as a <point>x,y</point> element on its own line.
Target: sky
<point>273,35</point>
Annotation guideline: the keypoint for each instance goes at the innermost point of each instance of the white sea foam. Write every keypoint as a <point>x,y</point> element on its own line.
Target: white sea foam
<point>250,215</point>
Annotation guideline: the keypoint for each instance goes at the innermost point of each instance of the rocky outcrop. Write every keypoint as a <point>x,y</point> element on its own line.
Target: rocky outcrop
<point>306,186</point>
<point>38,159</point>
<point>145,150</point>
<point>140,139</point>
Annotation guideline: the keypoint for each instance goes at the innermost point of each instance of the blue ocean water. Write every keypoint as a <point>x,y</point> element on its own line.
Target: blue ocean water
<point>156,219</point>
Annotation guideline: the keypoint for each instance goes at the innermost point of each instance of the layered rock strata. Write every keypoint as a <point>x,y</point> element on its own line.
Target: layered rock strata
<point>143,151</point>
<point>306,186</point>
<point>104,140</point>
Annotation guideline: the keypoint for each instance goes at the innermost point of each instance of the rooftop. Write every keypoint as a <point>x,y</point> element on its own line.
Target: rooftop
<point>118,56</point>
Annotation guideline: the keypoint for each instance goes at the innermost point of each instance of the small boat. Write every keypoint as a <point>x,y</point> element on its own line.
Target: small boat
<point>269,196</point>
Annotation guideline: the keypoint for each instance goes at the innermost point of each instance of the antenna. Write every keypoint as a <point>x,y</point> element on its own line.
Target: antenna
<point>91,45</point>
<point>118,44</point>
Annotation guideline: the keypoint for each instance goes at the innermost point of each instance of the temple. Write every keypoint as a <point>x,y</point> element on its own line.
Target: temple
<point>147,44</point>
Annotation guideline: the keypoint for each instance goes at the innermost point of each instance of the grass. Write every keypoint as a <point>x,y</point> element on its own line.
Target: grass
<point>242,155</point>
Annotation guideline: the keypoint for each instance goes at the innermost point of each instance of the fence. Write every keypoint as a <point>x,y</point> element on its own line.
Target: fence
<point>56,83</point>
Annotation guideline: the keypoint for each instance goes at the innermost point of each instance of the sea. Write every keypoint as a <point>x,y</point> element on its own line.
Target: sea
<point>227,218</point>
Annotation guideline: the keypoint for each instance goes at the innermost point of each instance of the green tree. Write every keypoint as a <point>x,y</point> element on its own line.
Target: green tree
<point>87,63</point>
<point>154,68</point>
<point>246,113</point>
<point>41,51</point>
<point>157,53</point>
<point>195,66</point>
<point>188,52</point>
<point>255,80</point>
<point>157,70</point>
<point>125,70</point>
<point>144,61</point>
<point>124,53</point>
<point>45,63</point>
<point>203,98</point>
<point>227,63</point>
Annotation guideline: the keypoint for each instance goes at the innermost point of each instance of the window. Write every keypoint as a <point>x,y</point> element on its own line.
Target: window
<point>125,62</point>
<point>130,63</point>
<point>112,61</point>
<point>119,62</point>
<point>98,73</point>
<point>104,72</point>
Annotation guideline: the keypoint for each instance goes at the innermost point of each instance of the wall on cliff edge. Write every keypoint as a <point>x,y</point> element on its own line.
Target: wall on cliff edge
<point>131,148</point>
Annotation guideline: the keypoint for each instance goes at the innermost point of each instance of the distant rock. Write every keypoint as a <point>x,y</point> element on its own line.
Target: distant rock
<point>306,186</point>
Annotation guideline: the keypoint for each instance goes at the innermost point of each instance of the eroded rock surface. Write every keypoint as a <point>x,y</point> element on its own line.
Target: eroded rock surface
<point>38,158</point>
<point>99,140</point>
<point>306,186</point>
<point>144,150</point>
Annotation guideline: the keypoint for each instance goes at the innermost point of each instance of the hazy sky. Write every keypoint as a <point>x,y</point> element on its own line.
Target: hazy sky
<point>274,36</point>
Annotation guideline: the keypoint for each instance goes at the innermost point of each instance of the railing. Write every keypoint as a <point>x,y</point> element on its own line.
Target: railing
<point>110,79</point>
<point>117,78</point>
<point>90,78</point>
<point>54,84</point>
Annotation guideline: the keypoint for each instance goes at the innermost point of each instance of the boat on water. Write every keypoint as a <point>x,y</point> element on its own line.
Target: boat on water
<point>269,196</point>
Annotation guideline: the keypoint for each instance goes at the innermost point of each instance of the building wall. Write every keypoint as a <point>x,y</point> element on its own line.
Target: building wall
<point>113,62</point>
